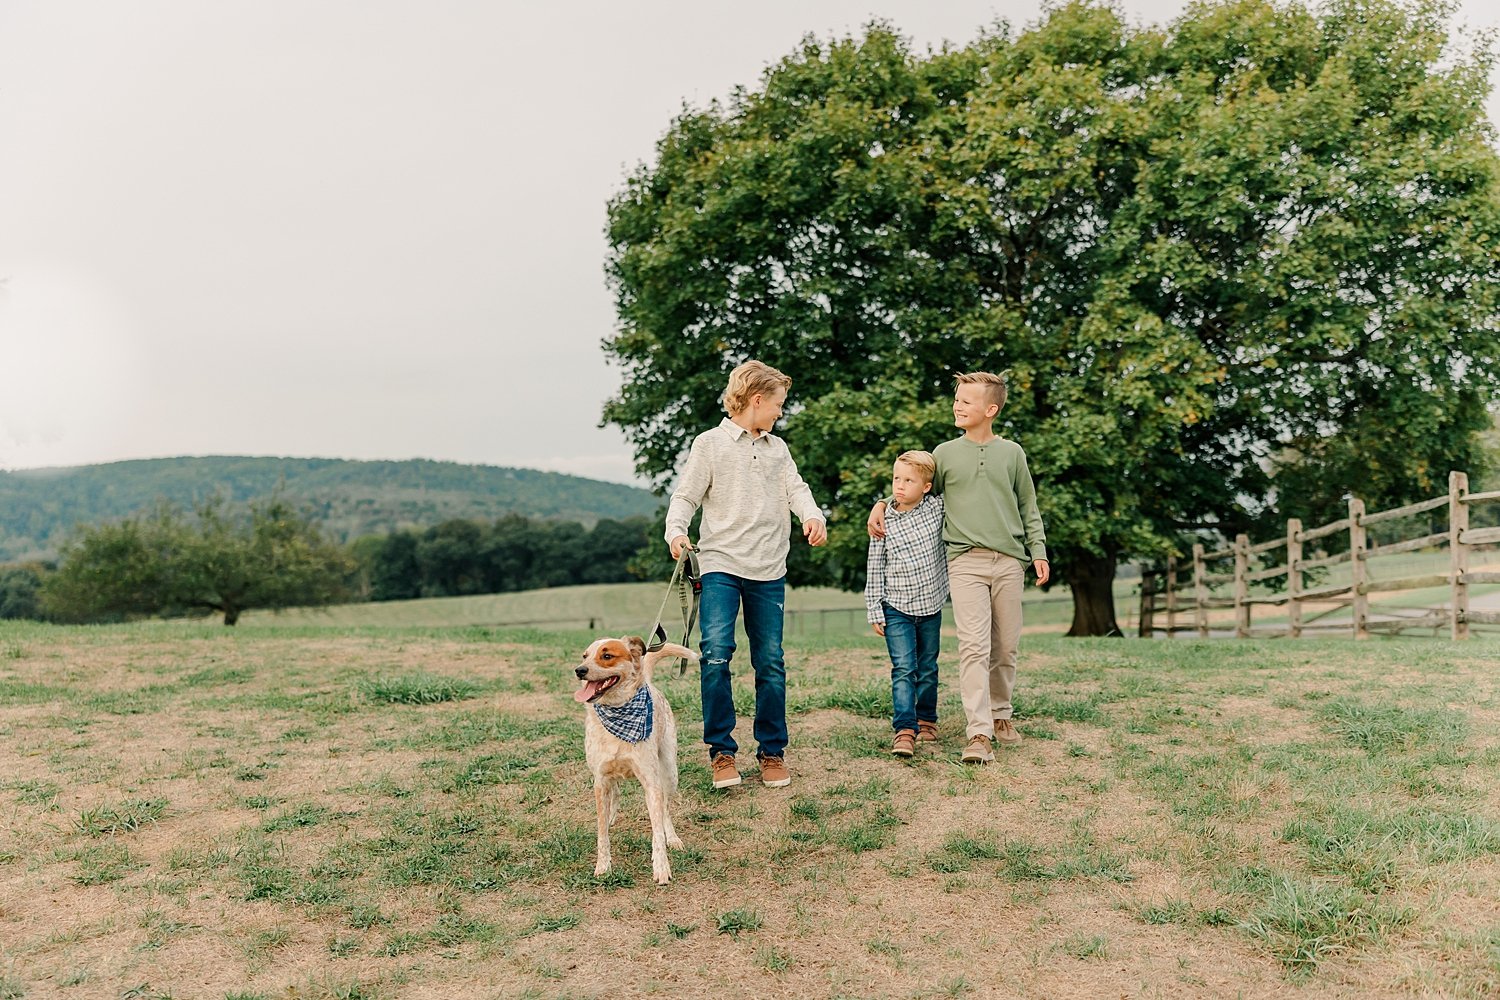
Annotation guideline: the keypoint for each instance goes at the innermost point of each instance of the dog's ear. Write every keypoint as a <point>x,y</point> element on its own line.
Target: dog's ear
<point>637,646</point>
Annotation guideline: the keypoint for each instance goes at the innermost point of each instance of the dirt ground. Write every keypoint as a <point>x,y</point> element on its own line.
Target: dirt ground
<point>235,733</point>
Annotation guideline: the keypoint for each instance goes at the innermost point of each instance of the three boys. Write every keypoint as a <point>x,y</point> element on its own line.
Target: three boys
<point>974,539</point>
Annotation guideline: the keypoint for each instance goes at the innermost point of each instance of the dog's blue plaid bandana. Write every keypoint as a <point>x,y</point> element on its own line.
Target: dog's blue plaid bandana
<point>632,721</point>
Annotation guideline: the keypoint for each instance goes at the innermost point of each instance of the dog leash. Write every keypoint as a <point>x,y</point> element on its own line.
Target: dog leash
<point>688,587</point>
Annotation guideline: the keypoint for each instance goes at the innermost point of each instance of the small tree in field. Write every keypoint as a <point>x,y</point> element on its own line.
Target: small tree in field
<point>216,561</point>
<point>20,590</point>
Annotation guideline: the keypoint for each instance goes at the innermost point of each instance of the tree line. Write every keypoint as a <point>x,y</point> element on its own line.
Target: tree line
<point>224,559</point>
<point>460,557</point>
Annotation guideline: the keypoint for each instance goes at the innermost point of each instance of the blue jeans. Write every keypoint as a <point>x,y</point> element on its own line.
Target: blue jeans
<point>764,603</point>
<point>913,644</point>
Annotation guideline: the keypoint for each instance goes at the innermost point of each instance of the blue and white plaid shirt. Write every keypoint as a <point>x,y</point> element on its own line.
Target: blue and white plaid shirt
<point>908,568</point>
<point>632,721</point>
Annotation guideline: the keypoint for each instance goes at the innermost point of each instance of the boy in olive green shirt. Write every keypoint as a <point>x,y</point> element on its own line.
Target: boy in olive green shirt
<point>992,528</point>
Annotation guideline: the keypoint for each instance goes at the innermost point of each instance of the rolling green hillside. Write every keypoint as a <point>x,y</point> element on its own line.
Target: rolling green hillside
<point>39,507</point>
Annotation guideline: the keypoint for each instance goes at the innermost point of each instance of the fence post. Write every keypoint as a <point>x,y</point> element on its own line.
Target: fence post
<point>1148,604</point>
<point>1294,576</point>
<point>1458,552</point>
<point>1172,595</point>
<point>1359,603</point>
<point>1241,586</point>
<point>1200,592</point>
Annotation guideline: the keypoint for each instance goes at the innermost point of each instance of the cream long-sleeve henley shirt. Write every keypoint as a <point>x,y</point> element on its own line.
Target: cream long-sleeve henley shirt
<point>748,488</point>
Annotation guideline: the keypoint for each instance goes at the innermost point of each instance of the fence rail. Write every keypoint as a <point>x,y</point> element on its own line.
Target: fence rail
<point>1160,588</point>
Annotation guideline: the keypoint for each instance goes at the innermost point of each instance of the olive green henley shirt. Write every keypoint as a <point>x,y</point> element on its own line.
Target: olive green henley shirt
<point>989,497</point>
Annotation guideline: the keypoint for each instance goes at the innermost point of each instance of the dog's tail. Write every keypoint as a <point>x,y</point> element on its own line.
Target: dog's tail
<point>667,649</point>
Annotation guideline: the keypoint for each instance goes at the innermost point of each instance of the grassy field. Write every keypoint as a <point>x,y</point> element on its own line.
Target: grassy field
<point>618,607</point>
<point>811,611</point>
<point>622,608</point>
<point>282,811</point>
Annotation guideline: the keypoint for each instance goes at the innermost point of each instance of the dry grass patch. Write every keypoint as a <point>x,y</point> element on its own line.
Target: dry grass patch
<point>295,812</point>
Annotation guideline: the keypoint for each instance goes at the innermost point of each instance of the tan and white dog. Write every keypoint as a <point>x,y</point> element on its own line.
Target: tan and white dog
<point>629,732</point>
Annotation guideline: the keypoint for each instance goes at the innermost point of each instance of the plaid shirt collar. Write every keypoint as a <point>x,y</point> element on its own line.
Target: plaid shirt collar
<point>926,505</point>
<point>632,721</point>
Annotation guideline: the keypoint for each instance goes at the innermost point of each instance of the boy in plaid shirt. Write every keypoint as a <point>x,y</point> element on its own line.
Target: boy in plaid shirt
<point>906,583</point>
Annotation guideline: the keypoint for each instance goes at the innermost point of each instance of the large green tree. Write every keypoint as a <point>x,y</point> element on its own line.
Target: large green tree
<point>1236,267</point>
<point>218,560</point>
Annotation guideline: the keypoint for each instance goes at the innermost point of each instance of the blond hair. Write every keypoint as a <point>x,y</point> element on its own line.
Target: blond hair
<point>992,384</point>
<point>922,461</point>
<point>748,379</point>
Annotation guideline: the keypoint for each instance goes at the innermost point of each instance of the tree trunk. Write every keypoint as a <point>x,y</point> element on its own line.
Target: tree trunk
<point>1092,581</point>
<point>231,616</point>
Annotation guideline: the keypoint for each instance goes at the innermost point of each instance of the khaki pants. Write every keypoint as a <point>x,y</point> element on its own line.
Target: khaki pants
<point>986,588</point>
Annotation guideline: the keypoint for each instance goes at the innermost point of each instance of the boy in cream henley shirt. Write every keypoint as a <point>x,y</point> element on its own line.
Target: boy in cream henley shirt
<point>748,486</point>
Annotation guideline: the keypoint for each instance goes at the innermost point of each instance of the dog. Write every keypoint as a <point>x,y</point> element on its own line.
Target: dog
<point>629,731</point>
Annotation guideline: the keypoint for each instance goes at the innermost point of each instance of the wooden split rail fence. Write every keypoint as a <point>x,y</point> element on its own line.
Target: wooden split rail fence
<point>1162,593</point>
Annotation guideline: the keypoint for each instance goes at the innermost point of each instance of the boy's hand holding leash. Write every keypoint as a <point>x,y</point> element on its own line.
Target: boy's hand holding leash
<point>686,583</point>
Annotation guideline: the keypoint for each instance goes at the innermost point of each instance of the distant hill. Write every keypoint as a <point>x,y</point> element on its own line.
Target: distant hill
<point>39,507</point>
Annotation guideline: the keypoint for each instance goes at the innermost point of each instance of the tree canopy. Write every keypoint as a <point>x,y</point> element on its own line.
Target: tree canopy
<point>21,590</point>
<point>219,560</point>
<point>1236,267</point>
<point>512,553</point>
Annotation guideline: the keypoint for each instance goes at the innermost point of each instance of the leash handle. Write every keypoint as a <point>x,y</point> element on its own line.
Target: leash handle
<point>687,584</point>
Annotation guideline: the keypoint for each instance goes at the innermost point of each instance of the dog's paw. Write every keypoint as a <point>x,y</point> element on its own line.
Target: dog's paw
<point>661,873</point>
<point>674,842</point>
<point>602,868</point>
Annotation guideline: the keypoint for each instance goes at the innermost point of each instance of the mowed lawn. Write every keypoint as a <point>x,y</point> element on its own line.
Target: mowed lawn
<point>296,812</point>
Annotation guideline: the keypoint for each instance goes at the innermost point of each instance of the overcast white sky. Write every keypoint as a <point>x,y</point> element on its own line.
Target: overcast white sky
<point>352,228</point>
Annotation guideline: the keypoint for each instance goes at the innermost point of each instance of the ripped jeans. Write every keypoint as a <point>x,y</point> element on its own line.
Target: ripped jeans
<point>764,603</point>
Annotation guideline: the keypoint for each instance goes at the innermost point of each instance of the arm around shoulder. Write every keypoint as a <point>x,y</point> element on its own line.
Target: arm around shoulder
<point>875,523</point>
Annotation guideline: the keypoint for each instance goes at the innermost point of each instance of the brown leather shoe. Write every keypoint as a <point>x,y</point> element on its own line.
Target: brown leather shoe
<point>773,772</point>
<point>1006,734</point>
<point>905,743</point>
<point>926,731</point>
<point>725,773</point>
<point>978,751</point>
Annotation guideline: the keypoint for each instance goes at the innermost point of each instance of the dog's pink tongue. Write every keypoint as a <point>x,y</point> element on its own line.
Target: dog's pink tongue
<point>589,689</point>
